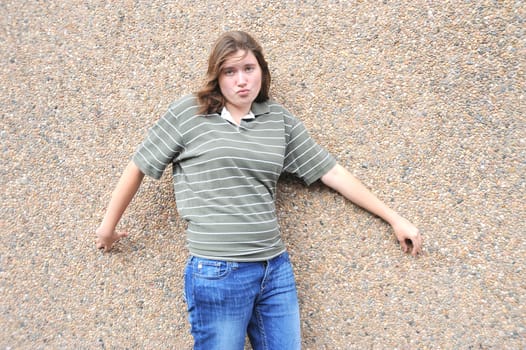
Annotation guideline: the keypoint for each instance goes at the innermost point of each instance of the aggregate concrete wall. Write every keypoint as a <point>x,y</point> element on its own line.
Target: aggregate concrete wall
<point>423,101</point>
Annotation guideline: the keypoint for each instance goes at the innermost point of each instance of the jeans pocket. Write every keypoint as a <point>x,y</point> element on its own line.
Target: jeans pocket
<point>210,269</point>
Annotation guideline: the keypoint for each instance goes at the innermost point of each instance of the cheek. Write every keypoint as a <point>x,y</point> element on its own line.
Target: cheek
<point>260,83</point>
<point>223,85</point>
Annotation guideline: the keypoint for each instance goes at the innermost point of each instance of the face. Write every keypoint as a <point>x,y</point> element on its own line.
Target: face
<point>240,81</point>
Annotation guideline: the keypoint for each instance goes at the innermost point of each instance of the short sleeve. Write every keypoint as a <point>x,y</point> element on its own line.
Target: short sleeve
<point>304,157</point>
<point>161,146</point>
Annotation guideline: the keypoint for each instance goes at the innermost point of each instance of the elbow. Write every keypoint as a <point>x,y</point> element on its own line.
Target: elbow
<point>331,177</point>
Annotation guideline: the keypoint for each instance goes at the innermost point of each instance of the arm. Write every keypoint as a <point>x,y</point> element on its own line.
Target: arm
<point>341,180</point>
<point>121,197</point>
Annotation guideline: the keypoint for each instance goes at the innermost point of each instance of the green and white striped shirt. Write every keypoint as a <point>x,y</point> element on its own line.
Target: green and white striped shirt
<point>225,175</point>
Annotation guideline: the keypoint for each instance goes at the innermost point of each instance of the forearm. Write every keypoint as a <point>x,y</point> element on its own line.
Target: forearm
<point>121,197</point>
<point>341,180</point>
<point>350,187</point>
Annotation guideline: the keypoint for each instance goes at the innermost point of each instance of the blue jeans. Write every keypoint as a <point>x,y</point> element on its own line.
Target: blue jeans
<point>227,300</point>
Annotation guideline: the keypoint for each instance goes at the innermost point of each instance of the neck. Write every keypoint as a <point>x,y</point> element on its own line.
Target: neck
<point>237,112</point>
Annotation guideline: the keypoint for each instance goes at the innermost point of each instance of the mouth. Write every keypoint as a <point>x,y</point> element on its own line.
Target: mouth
<point>243,92</point>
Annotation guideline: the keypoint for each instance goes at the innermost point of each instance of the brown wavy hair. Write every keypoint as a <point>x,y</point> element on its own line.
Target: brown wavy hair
<point>209,96</point>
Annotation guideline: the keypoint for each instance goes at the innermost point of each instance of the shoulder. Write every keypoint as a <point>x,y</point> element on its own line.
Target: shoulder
<point>183,111</point>
<point>185,105</point>
<point>275,108</point>
<point>268,106</point>
<point>289,119</point>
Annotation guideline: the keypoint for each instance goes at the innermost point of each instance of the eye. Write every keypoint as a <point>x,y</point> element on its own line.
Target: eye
<point>250,69</point>
<point>228,71</point>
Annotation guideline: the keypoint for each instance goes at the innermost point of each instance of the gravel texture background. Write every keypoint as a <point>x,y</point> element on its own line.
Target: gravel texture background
<point>424,101</point>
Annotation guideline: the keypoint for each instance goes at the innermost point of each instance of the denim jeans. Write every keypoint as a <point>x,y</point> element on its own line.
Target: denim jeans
<point>227,300</point>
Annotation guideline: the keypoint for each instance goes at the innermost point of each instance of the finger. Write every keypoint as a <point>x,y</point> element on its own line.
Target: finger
<point>417,246</point>
<point>415,250</point>
<point>103,246</point>
<point>403,244</point>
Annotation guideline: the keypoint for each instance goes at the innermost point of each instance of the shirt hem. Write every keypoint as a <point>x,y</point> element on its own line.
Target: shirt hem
<point>239,259</point>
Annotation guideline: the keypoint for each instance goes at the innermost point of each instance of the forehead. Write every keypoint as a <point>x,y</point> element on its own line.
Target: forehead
<point>240,57</point>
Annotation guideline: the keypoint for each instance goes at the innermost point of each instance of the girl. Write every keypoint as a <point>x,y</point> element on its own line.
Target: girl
<point>228,145</point>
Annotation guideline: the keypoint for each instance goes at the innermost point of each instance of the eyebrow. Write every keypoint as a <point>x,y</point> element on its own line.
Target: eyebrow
<point>234,66</point>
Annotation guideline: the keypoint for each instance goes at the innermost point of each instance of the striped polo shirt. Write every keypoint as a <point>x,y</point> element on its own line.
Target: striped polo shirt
<point>225,175</point>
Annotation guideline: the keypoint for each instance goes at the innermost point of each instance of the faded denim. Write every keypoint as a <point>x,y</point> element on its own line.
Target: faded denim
<point>227,300</point>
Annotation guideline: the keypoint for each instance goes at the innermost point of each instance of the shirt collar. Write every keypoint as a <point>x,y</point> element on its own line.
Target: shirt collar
<point>260,108</point>
<point>225,114</point>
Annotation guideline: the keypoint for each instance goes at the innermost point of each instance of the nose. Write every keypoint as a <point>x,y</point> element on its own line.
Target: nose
<point>241,78</point>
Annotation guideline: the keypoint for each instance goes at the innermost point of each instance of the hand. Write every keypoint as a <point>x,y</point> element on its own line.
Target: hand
<point>408,235</point>
<point>105,240</point>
